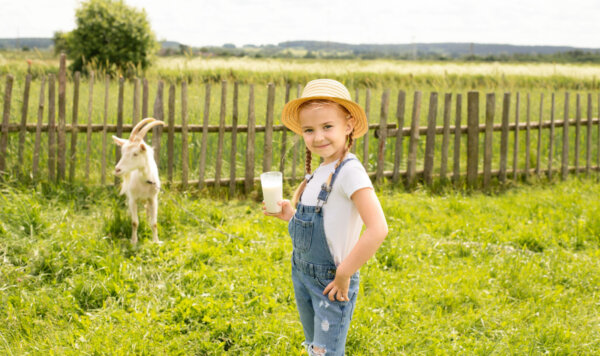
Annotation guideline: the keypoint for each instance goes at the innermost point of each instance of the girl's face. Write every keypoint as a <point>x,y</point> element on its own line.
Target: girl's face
<point>324,129</point>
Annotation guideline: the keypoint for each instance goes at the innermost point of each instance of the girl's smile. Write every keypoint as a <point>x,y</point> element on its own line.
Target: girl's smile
<point>325,129</point>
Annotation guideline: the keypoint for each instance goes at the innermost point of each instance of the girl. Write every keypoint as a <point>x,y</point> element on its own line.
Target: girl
<point>331,205</point>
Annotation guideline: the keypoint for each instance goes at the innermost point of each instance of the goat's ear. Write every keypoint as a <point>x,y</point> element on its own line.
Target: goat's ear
<point>119,141</point>
<point>142,146</point>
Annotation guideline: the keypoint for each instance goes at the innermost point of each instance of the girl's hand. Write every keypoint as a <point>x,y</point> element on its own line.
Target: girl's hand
<point>287,211</point>
<point>338,289</point>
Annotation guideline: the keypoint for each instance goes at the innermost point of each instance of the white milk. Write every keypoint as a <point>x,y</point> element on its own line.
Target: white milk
<point>272,191</point>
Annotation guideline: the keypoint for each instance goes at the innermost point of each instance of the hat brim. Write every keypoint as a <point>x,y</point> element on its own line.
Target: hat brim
<point>290,115</point>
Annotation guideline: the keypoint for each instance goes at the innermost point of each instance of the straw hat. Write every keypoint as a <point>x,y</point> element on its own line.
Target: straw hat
<point>328,89</point>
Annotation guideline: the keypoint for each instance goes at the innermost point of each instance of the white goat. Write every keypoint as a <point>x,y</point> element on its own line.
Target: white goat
<point>140,175</point>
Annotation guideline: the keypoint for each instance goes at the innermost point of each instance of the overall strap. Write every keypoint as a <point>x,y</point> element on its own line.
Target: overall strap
<point>327,186</point>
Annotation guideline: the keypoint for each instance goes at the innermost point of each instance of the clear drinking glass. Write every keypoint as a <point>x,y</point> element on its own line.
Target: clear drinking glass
<point>272,188</point>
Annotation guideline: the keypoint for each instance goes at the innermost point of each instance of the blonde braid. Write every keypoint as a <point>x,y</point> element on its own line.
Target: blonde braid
<point>302,186</point>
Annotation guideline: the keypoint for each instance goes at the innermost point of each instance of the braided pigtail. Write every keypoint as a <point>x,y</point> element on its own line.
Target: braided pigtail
<point>302,186</point>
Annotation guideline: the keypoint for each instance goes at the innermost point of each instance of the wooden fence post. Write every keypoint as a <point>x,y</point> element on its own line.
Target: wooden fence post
<point>472,138</point>
<point>204,144</point>
<point>23,128</point>
<point>411,165</point>
<point>5,123</point>
<point>577,131</point>
<point>366,136</point>
<point>74,128</point>
<point>446,137</point>
<point>490,112</point>
<point>504,137</point>
<point>551,139</point>
<point>159,114</point>
<point>51,128</point>
<point>223,112</point>
<point>104,131</point>
<point>171,133</point>
<point>62,144</point>
<point>457,133</point>
<point>119,121</point>
<point>539,141</point>
<point>233,153</point>
<point>385,99</point>
<point>284,135</point>
<point>88,152</point>
<point>430,139</point>
<point>38,131</point>
<point>356,97</point>
<point>565,141</point>
<point>588,136</point>
<point>516,143</point>
<point>249,176</point>
<point>401,108</point>
<point>145,94</point>
<point>528,138</point>
<point>135,117</point>
<point>184,134</point>
<point>268,154</point>
<point>298,143</point>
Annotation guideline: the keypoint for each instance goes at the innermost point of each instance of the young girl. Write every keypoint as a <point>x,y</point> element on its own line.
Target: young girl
<point>331,205</point>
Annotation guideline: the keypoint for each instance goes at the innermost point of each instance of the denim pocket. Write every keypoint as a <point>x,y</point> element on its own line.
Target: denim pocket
<point>301,232</point>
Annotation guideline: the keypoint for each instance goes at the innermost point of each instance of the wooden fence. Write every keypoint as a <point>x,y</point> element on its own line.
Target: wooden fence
<point>476,167</point>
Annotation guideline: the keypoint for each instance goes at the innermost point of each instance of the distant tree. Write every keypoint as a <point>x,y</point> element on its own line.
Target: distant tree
<point>112,36</point>
<point>60,42</point>
<point>229,45</point>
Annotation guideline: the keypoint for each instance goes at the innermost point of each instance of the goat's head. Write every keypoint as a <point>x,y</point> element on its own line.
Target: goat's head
<point>133,150</point>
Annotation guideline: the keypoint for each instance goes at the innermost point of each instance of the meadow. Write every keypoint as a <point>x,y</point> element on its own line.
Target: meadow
<point>510,274</point>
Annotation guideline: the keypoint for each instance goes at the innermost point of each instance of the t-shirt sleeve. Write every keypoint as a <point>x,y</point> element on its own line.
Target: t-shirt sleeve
<point>354,177</point>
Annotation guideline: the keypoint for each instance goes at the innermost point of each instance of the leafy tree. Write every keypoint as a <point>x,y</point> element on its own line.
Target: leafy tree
<point>112,36</point>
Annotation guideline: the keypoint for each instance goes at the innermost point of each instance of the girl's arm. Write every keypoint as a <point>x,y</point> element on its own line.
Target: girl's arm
<point>376,230</point>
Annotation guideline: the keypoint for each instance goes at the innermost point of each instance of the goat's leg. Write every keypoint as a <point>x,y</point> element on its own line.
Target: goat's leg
<point>133,211</point>
<point>152,212</point>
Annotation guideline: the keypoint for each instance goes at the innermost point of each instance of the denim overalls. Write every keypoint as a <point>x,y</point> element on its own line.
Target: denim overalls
<point>325,323</point>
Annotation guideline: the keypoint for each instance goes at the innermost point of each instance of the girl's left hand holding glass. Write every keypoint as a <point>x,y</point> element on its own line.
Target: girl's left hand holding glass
<point>286,213</point>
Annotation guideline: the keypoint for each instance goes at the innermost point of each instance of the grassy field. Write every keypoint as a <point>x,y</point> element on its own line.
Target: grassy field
<point>513,273</point>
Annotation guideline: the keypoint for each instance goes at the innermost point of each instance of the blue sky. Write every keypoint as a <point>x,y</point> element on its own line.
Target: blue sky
<point>522,22</point>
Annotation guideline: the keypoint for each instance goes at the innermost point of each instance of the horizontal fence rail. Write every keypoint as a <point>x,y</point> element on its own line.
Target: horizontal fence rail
<point>470,140</point>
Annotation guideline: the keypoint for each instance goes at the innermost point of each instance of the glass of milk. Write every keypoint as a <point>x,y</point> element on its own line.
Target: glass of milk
<point>272,186</point>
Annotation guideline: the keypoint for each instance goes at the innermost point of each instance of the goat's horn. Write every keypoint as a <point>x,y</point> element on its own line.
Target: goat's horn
<point>147,128</point>
<point>137,127</point>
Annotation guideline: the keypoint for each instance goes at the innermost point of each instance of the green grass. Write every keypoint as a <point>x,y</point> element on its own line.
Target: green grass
<point>511,273</point>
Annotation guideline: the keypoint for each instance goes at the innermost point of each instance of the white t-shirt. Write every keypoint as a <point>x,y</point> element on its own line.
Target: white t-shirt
<point>342,223</point>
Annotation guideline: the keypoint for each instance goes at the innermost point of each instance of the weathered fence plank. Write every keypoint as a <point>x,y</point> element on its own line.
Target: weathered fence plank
<point>366,136</point>
<point>62,136</point>
<point>504,138</point>
<point>22,131</point>
<point>539,140</point>
<point>171,133</point>
<point>51,128</point>
<point>268,144</point>
<point>385,99</point>
<point>490,111</point>
<point>38,130</point>
<point>430,139</point>
<point>588,136</point>
<point>119,122</point>
<point>356,97</point>
<point>145,95</point>
<point>457,132</point>
<point>472,138</point>
<point>249,176</point>
<point>528,137</point>
<point>445,137</point>
<point>284,136</point>
<point>204,143</point>
<point>411,165</point>
<point>5,123</point>
<point>298,143</point>
<point>184,134</point>
<point>551,138</point>
<point>565,141</point>
<point>577,131</point>
<point>74,131</point>
<point>233,151</point>
<point>400,109</point>
<point>516,138</point>
<point>223,112</point>
<point>135,116</point>
<point>88,151</point>
<point>104,133</point>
